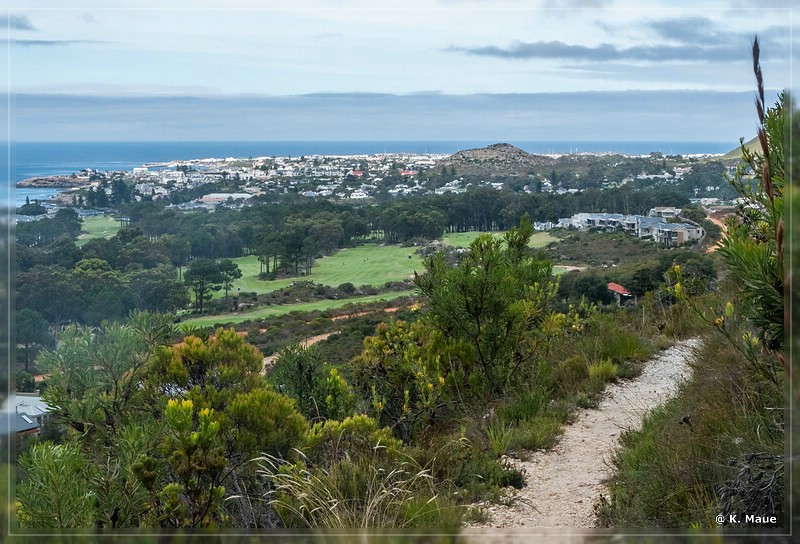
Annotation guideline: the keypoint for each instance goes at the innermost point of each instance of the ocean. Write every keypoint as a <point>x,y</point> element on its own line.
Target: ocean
<point>29,159</point>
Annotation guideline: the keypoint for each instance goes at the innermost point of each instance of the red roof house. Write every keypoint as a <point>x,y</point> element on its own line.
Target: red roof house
<point>617,288</point>
<point>619,291</point>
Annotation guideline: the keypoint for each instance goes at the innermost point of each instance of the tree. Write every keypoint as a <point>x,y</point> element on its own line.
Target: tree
<point>177,249</point>
<point>491,302</point>
<point>643,280</point>
<point>56,491</point>
<point>159,435</point>
<point>203,276</point>
<point>31,329</point>
<point>593,288</point>
<point>104,292</point>
<point>230,272</point>
<point>157,290</point>
<point>25,382</point>
<point>297,373</point>
<point>51,291</point>
<point>31,209</point>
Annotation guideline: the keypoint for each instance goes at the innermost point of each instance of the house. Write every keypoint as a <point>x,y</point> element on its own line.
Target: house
<point>646,225</point>
<point>664,212</point>
<point>676,234</point>
<point>25,414</point>
<point>629,223</point>
<point>621,295</point>
<point>219,198</point>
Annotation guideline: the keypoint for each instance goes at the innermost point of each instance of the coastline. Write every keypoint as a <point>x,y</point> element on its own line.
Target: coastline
<point>48,182</point>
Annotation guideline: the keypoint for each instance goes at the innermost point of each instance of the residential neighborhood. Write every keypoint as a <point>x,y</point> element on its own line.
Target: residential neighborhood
<point>365,177</point>
<point>655,225</point>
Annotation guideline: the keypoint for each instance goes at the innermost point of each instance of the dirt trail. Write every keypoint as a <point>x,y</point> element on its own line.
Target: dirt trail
<point>269,361</point>
<point>719,222</point>
<point>562,484</point>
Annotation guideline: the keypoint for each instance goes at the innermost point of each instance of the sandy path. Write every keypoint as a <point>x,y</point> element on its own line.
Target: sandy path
<point>269,361</point>
<point>721,224</point>
<point>562,484</point>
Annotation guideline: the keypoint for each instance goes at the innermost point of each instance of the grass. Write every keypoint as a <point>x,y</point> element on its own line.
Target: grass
<point>366,265</point>
<point>602,371</point>
<point>269,311</point>
<point>97,227</point>
<point>464,239</point>
<point>539,433</point>
<point>600,248</point>
<point>498,435</point>
<point>359,492</point>
<point>363,265</point>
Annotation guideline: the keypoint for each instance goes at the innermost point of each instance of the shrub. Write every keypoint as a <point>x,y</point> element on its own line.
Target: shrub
<point>498,435</point>
<point>524,406</point>
<point>568,374</point>
<point>602,372</point>
<point>361,493</point>
<point>347,287</point>
<point>538,433</point>
<point>353,438</point>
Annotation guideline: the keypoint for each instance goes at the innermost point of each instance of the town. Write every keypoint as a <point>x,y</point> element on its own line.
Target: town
<point>232,182</point>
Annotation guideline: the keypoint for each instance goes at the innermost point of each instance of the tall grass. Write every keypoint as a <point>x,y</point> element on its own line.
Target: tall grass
<point>602,372</point>
<point>499,436</point>
<point>359,493</point>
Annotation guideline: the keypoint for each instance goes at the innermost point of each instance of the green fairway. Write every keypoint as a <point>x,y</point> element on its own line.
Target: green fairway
<point>464,239</point>
<point>362,265</point>
<point>284,309</point>
<point>249,281</point>
<point>366,265</point>
<point>97,227</point>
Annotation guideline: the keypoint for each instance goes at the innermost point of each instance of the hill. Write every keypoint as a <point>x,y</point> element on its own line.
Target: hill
<point>736,153</point>
<point>503,157</point>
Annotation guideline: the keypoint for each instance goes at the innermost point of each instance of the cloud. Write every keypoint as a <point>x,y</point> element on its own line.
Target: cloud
<point>697,30</point>
<point>607,52</point>
<point>690,39</point>
<point>577,4</point>
<point>52,43</point>
<point>704,31</point>
<point>17,22</point>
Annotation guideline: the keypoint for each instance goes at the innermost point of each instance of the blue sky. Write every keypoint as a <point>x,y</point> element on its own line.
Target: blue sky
<point>353,69</point>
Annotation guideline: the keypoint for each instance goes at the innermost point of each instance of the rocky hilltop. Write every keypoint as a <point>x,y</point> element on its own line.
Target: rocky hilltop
<point>497,158</point>
<point>55,181</point>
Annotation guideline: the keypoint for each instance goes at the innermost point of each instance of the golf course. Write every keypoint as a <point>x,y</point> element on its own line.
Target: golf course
<point>369,264</point>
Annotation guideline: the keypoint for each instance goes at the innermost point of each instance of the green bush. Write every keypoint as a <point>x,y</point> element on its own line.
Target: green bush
<point>602,372</point>
<point>538,433</point>
<point>353,438</point>
<point>609,338</point>
<point>524,406</point>
<point>569,374</point>
<point>359,494</point>
<point>347,287</point>
<point>498,434</point>
<point>469,465</point>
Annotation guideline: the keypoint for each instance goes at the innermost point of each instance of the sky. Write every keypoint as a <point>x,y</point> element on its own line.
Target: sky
<point>517,70</point>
